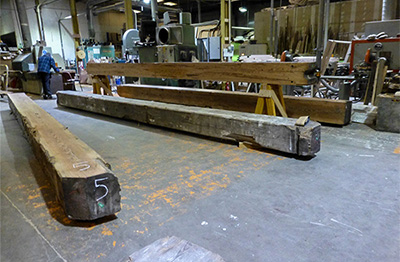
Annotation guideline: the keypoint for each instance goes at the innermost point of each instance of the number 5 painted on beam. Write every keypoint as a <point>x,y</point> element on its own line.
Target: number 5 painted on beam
<point>101,185</point>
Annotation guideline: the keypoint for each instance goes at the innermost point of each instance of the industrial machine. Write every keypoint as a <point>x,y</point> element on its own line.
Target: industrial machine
<point>130,39</point>
<point>388,48</point>
<point>210,48</point>
<point>98,52</point>
<point>171,42</point>
<point>176,41</point>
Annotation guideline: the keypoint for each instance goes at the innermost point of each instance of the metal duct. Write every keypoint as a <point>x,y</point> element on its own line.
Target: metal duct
<point>23,22</point>
<point>89,16</point>
<point>325,83</point>
<point>389,9</point>
<point>154,10</point>
<point>38,11</point>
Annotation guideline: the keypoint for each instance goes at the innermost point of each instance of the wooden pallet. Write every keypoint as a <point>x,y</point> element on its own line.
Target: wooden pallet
<point>83,181</point>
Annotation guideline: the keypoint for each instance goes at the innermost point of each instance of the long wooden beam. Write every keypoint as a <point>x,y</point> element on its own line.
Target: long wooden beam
<point>329,111</point>
<point>271,132</point>
<point>83,181</point>
<point>270,73</point>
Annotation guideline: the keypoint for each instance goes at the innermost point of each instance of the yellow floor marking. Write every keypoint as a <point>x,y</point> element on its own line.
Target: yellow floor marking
<point>397,150</point>
<point>106,231</point>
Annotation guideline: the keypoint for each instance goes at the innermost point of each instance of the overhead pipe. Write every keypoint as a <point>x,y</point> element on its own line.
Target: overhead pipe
<point>326,84</point>
<point>326,21</point>
<point>212,22</point>
<point>271,32</point>
<point>89,16</point>
<point>22,20</point>
<point>198,11</point>
<point>154,10</point>
<point>39,19</point>
<point>389,9</point>
<point>103,9</point>
<point>66,29</point>
<point>117,5</point>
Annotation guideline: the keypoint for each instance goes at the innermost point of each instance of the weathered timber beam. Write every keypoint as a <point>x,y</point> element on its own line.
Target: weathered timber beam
<point>329,111</point>
<point>267,131</point>
<point>83,181</point>
<point>270,73</point>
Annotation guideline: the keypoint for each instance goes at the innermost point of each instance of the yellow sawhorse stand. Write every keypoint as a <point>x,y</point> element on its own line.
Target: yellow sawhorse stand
<point>271,96</point>
<point>101,82</point>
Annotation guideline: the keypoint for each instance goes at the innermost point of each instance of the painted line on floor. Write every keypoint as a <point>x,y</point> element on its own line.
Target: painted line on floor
<point>34,227</point>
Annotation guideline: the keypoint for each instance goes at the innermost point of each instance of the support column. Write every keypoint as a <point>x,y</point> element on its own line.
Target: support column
<point>128,14</point>
<point>320,35</point>
<point>225,24</point>
<point>75,24</point>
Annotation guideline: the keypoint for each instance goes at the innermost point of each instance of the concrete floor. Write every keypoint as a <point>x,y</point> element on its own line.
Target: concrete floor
<point>243,204</point>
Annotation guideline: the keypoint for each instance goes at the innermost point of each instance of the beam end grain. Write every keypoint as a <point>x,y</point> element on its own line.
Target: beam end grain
<point>270,132</point>
<point>82,180</point>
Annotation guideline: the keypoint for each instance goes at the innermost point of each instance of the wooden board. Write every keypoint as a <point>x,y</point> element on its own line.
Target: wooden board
<point>271,132</point>
<point>270,73</point>
<point>322,110</point>
<point>83,181</point>
<point>174,249</point>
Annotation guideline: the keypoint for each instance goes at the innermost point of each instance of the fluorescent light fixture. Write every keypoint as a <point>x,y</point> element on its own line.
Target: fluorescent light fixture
<point>160,1</point>
<point>243,9</point>
<point>137,11</point>
<point>146,1</point>
<point>170,4</point>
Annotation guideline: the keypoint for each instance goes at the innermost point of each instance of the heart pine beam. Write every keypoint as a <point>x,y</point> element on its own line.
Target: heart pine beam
<point>83,181</point>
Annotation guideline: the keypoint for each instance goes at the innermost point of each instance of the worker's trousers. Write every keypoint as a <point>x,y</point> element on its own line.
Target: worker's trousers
<point>45,78</point>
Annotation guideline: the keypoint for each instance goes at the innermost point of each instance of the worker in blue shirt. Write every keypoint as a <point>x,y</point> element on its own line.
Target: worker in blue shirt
<point>46,62</point>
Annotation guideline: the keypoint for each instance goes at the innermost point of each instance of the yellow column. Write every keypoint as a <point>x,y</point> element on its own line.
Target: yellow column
<point>75,24</point>
<point>128,14</point>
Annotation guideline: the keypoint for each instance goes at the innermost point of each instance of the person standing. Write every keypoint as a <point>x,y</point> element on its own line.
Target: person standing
<point>46,62</point>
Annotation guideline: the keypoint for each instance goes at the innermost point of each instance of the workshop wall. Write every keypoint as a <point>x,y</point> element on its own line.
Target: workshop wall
<point>298,26</point>
<point>51,14</point>
<point>109,22</point>
<point>6,17</point>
